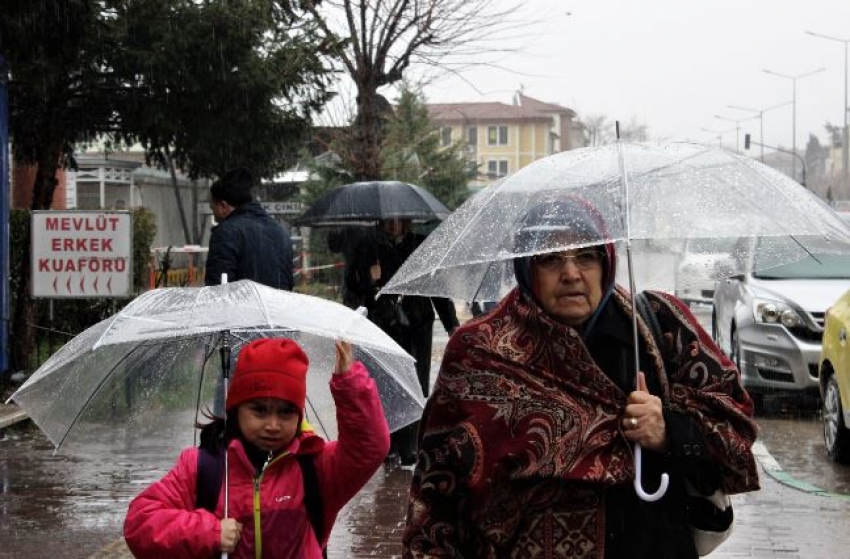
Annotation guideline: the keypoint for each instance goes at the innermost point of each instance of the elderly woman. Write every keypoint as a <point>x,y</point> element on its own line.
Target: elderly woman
<point>525,444</point>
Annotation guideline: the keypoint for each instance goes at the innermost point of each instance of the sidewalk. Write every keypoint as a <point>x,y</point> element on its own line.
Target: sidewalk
<point>778,521</point>
<point>10,414</point>
<point>786,519</point>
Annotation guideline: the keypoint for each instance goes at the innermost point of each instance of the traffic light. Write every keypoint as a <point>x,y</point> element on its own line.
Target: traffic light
<point>746,141</point>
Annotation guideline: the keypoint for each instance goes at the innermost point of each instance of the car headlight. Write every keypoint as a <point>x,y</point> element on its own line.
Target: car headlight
<point>775,312</point>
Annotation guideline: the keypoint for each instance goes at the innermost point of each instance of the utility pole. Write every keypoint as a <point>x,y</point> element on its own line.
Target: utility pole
<point>793,109</point>
<point>718,134</point>
<point>845,136</point>
<point>747,143</point>
<point>4,217</point>
<point>760,113</point>
<point>737,122</point>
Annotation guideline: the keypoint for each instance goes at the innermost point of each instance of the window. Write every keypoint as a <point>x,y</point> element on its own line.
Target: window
<point>472,135</point>
<point>497,135</point>
<point>446,136</point>
<point>497,168</point>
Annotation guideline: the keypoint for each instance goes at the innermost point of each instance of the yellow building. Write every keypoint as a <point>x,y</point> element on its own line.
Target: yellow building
<point>500,138</point>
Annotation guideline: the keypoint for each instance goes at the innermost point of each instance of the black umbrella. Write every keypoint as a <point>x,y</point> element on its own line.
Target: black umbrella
<point>367,202</point>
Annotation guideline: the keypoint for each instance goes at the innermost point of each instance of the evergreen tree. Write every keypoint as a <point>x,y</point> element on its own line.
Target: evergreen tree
<point>412,152</point>
<point>202,85</point>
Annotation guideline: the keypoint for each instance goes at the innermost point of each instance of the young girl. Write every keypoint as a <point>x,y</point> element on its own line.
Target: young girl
<point>267,442</point>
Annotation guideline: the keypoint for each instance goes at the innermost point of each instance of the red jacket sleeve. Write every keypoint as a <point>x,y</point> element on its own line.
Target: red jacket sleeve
<point>162,520</point>
<point>347,464</point>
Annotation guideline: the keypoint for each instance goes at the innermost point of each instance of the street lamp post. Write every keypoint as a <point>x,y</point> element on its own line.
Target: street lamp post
<point>737,122</point>
<point>760,113</point>
<point>793,109</point>
<point>718,134</point>
<point>747,143</point>
<point>845,135</point>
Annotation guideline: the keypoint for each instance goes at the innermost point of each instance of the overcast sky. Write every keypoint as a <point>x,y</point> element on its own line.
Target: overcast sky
<point>675,64</point>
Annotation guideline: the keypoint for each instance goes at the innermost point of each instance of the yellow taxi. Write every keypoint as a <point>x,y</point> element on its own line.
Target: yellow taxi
<point>835,380</point>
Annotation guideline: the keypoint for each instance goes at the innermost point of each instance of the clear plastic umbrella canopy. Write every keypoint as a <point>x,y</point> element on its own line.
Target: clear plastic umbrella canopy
<point>652,197</point>
<point>143,375</point>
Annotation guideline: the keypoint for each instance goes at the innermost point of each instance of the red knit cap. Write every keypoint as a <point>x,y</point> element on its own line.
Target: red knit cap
<point>269,368</point>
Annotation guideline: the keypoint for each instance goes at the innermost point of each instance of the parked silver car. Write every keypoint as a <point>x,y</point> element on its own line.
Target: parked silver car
<point>701,259</point>
<point>771,322</point>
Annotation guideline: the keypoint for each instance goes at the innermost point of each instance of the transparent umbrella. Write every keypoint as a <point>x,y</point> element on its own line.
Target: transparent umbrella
<point>142,376</point>
<point>651,198</point>
<point>655,196</point>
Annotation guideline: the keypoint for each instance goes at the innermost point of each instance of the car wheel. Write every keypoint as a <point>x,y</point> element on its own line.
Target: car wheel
<point>835,433</point>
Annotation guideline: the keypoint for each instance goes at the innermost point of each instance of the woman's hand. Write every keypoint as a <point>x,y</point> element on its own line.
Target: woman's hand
<point>644,422</point>
<point>231,532</point>
<point>344,357</point>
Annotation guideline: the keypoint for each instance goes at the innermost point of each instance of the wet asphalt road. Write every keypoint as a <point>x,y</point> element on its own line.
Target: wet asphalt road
<point>73,506</point>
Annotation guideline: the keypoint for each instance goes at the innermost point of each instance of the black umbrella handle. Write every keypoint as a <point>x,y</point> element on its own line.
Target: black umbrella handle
<point>224,351</point>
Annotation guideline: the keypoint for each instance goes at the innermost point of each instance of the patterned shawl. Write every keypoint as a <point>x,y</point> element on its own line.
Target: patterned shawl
<point>522,434</point>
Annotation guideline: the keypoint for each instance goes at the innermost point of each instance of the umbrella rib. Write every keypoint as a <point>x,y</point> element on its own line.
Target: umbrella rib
<point>318,419</point>
<point>263,307</point>
<point>495,189</point>
<point>386,367</point>
<point>739,191</point>
<point>94,393</point>
<point>207,356</point>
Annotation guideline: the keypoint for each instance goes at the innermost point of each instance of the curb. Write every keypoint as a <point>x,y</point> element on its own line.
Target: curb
<point>772,468</point>
<point>11,414</point>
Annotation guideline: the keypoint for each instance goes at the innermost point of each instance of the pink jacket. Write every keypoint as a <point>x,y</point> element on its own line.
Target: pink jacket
<point>162,520</point>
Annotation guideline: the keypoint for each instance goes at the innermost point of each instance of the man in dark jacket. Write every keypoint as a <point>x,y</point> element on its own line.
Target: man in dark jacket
<point>247,243</point>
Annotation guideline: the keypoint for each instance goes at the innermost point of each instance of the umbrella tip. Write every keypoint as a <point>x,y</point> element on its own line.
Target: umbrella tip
<point>361,310</point>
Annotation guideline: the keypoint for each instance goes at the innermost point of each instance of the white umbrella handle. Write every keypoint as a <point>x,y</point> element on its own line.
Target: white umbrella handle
<point>665,479</point>
<point>662,488</point>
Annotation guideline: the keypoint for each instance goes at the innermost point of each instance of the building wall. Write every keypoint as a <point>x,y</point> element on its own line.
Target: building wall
<point>23,179</point>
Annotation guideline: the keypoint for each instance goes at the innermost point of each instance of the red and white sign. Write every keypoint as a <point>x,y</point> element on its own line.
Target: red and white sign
<point>82,254</point>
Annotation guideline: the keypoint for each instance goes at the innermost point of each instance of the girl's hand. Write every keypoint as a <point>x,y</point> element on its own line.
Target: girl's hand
<point>231,532</point>
<point>644,421</point>
<point>344,357</point>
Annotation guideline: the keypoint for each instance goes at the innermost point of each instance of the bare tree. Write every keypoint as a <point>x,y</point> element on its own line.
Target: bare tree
<point>384,37</point>
<point>599,129</point>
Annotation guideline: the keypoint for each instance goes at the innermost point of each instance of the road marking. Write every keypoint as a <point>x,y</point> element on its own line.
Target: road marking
<point>774,470</point>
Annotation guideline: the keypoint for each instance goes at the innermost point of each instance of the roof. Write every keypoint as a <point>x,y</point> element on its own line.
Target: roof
<point>527,108</point>
<point>542,106</point>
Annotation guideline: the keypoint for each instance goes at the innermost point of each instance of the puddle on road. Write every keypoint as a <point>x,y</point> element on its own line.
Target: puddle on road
<point>796,442</point>
<point>56,505</point>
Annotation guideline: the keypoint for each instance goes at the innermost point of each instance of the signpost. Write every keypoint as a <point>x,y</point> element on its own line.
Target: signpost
<point>78,254</point>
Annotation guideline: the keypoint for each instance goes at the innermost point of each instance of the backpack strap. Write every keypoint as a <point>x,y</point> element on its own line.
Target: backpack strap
<point>312,497</point>
<point>210,476</point>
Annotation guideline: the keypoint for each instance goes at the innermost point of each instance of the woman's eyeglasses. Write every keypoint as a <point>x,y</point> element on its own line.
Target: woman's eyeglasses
<point>554,261</point>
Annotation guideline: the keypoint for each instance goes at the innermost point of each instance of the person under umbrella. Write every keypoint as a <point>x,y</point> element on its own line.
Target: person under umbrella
<point>268,442</point>
<point>408,320</point>
<point>525,441</point>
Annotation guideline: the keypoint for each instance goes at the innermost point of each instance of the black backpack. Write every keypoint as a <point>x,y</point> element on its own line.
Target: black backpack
<point>211,474</point>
